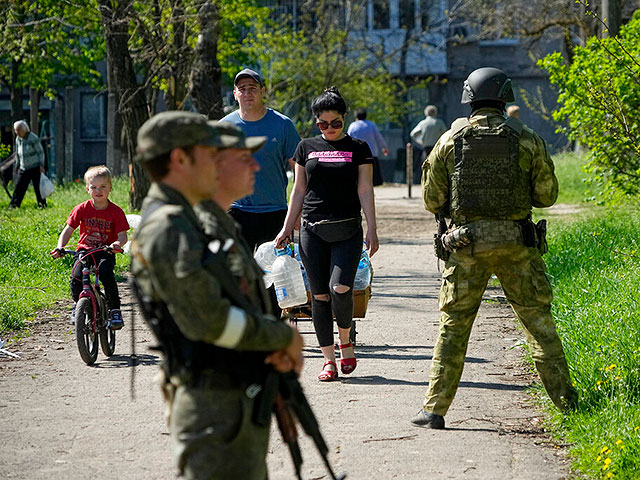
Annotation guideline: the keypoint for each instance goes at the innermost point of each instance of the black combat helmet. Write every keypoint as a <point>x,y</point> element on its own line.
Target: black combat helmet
<point>487,83</point>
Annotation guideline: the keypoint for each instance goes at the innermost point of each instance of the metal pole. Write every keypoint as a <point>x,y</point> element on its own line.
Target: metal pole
<point>409,167</point>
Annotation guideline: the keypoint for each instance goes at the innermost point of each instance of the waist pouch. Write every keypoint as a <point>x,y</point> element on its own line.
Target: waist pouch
<point>334,230</point>
<point>520,232</point>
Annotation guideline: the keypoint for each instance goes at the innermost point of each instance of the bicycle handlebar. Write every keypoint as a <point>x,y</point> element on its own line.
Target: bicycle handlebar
<point>84,253</point>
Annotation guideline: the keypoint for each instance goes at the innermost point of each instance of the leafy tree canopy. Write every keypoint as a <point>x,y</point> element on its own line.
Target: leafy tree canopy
<point>299,64</point>
<point>599,94</point>
<point>48,44</point>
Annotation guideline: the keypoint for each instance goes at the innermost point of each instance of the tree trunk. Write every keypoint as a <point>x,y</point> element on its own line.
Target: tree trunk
<point>34,109</point>
<point>115,159</point>
<point>132,102</point>
<point>15,93</point>
<point>205,81</point>
<point>611,16</point>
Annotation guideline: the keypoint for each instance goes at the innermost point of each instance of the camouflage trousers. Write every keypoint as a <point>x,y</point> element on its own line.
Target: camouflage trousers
<point>213,436</point>
<point>521,272</point>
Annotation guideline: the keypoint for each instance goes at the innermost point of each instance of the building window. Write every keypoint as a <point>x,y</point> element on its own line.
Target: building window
<point>357,15</point>
<point>288,10</point>
<point>407,14</point>
<point>423,12</point>
<point>93,116</point>
<point>380,14</point>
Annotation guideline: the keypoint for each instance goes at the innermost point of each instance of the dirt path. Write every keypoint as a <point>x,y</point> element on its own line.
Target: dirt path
<point>62,420</point>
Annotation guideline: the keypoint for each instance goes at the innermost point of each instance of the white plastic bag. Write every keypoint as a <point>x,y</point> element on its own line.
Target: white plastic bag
<point>46,186</point>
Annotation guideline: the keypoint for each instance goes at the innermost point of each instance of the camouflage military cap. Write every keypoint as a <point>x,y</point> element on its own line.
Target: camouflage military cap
<point>177,129</point>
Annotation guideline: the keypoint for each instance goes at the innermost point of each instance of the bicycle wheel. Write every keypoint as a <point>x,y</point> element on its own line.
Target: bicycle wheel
<point>107,340</point>
<point>86,339</point>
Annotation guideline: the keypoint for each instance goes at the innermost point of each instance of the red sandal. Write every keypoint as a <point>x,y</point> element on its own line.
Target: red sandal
<point>347,365</point>
<point>328,375</point>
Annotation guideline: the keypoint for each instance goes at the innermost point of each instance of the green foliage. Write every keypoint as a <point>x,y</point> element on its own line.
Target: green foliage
<point>30,279</point>
<point>299,65</point>
<point>50,43</point>
<point>5,150</point>
<point>599,95</point>
<point>239,16</point>
<point>573,181</point>
<point>594,266</point>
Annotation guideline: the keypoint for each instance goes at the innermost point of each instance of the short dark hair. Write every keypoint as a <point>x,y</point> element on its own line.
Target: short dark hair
<point>330,99</point>
<point>158,167</point>
<point>361,114</point>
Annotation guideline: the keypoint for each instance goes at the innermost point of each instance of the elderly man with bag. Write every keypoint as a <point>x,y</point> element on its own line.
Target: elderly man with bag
<point>29,164</point>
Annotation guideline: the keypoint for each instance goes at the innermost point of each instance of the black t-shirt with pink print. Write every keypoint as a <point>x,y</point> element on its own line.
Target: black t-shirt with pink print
<point>332,176</point>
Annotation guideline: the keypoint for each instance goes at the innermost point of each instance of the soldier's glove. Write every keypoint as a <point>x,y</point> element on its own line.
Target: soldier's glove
<point>457,238</point>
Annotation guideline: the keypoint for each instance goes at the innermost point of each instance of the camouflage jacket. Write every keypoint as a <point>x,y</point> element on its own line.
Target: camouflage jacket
<point>218,224</point>
<point>533,158</point>
<point>168,252</point>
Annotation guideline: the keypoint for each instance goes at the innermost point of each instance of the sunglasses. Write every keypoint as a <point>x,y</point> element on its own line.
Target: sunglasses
<point>336,124</point>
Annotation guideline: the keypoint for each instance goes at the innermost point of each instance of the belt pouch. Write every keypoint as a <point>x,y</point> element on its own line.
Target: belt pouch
<point>334,231</point>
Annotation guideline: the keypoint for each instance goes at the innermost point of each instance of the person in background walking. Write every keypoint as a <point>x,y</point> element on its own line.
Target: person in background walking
<point>425,135</point>
<point>332,185</point>
<point>513,111</point>
<point>486,173</point>
<point>366,130</point>
<point>29,163</point>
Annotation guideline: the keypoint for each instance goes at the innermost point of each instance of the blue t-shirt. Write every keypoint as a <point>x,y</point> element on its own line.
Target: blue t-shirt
<point>270,192</point>
<point>367,131</point>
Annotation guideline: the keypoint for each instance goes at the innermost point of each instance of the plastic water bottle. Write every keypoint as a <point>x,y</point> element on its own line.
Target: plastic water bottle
<point>296,254</point>
<point>287,278</point>
<point>363,275</point>
<point>265,256</point>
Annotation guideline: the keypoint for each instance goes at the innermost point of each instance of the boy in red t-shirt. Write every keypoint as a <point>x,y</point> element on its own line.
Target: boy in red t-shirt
<point>102,223</point>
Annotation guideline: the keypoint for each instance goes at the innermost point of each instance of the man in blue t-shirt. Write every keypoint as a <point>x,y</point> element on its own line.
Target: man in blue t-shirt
<point>366,130</point>
<point>261,215</point>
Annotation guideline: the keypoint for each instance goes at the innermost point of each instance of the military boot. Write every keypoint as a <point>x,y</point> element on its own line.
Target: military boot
<point>428,420</point>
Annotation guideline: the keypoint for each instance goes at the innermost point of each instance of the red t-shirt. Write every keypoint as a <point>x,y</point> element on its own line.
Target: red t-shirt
<point>97,227</point>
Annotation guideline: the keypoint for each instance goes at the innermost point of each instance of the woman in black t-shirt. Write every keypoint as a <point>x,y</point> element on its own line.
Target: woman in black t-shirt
<point>333,182</point>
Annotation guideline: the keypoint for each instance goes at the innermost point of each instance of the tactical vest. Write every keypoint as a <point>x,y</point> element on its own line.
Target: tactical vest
<point>487,182</point>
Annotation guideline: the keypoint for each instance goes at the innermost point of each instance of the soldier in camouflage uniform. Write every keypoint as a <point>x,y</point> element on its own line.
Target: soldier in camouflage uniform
<point>486,173</point>
<point>216,347</point>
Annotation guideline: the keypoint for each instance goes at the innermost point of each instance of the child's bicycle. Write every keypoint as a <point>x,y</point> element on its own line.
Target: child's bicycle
<point>91,314</point>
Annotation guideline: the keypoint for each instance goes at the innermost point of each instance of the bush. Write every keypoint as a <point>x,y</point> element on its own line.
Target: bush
<point>599,95</point>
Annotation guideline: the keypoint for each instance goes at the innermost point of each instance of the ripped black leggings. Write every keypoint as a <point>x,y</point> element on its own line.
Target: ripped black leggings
<point>328,264</point>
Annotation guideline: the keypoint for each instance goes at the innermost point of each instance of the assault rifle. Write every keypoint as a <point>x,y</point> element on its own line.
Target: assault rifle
<point>289,400</point>
<point>281,393</point>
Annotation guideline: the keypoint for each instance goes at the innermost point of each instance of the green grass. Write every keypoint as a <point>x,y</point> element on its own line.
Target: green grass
<point>30,279</point>
<point>594,266</point>
<point>573,187</point>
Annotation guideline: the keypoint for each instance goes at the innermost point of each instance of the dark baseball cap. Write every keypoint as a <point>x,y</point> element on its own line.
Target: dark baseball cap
<point>247,72</point>
<point>177,129</point>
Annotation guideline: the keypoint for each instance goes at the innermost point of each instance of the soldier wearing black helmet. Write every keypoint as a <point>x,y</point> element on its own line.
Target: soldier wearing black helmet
<point>485,174</point>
